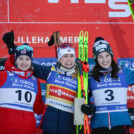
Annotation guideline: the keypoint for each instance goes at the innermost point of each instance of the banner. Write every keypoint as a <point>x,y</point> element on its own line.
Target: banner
<point>35,21</point>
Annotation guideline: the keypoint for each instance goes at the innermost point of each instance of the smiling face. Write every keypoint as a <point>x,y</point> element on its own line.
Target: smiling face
<point>104,60</point>
<point>67,60</point>
<point>23,62</point>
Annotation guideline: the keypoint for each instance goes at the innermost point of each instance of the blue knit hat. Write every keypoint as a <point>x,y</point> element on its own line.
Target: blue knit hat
<point>24,50</point>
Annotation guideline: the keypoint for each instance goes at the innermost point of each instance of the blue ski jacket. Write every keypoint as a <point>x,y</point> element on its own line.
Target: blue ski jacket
<point>110,99</point>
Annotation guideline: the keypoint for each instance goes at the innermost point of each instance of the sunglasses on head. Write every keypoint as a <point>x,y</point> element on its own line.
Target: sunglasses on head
<point>66,45</point>
<point>22,47</point>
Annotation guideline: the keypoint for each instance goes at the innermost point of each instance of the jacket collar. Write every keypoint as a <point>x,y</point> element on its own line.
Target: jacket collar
<point>22,74</point>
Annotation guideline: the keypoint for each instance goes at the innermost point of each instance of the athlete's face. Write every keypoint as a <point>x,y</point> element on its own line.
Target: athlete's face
<point>104,60</point>
<point>23,62</point>
<point>67,60</point>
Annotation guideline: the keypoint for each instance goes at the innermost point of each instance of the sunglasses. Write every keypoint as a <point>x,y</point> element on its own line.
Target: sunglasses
<point>22,47</point>
<point>66,45</point>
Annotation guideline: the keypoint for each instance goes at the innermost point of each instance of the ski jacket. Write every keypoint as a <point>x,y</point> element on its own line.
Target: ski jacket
<point>110,99</point>
<point>20,98</point>
<point>60,93</point>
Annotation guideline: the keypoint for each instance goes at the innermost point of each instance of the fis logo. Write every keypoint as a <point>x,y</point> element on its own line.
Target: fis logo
<point>57,76</point>
<point>15,80</point>
<point>127,64</point>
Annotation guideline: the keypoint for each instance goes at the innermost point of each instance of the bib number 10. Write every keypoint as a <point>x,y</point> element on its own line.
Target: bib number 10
<point>27,96</point>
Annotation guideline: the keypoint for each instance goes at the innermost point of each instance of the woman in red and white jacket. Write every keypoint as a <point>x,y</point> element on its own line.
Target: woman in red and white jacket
<point>20,94</point>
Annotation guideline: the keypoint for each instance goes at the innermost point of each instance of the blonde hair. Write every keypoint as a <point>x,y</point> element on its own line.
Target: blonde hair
<point>75,74</point>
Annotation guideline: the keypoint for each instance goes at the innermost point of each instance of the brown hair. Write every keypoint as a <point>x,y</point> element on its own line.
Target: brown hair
<point>96,73</point>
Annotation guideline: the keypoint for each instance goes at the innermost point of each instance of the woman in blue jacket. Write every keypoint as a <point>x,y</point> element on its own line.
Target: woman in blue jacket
<point>108,84</point>
<point>60,92</point>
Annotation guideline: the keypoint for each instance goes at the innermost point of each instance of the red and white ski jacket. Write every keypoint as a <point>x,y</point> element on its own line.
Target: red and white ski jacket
<point>20,98</point>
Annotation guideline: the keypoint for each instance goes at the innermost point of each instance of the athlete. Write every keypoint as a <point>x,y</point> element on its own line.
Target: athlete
<point>60,93</point>
<point>108,83</point>
<point>20,94</point>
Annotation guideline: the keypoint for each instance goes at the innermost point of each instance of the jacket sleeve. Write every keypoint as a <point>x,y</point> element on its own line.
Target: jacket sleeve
<point>41,71</point>
<point>129,76</point>
<point>3,77</point>
<point>38,104</point>
<point>9,64</point>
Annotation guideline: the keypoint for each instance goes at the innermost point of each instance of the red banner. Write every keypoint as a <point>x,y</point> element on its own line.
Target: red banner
<point>34,22</point>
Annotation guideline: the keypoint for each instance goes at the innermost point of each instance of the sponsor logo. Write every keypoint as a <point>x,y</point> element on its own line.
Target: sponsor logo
<point>109,80</point>
<point>45,63</point>
<point>61,93</point>
<point>102,46</point>
<point>66,79</point>
<point>118,8</point>
<point>25,82</point>
<point>70,80</point>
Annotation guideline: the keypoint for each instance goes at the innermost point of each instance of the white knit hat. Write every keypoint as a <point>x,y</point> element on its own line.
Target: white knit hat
<point>65,48</point>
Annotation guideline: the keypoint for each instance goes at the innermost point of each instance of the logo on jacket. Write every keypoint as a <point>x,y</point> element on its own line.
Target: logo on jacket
<point>15,80</point>
<point>57,76</point>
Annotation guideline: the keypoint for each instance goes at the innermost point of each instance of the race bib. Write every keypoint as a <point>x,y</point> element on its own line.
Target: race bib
<point>110,100</point>
<point>17,98</point>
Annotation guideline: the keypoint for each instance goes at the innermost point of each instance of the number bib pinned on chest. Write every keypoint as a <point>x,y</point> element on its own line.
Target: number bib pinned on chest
<point>110,100</point>
<point>61,91</point>
<point>18,93</point>
<point>110,95</point>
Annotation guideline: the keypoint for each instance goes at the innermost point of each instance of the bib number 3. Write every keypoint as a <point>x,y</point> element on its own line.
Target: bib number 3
<point>109,94</point>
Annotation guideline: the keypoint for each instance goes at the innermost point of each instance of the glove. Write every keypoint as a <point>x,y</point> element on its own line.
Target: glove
<point>87,109</point>
<point>55,39</point>
<point>51,42</point>
<point>8,38</point>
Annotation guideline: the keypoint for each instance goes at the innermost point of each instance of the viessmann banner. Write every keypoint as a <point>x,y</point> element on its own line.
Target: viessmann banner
<point>34,21</point>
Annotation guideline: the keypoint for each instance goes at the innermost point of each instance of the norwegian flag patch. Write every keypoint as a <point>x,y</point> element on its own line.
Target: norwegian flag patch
<point>23,51</point>
<point>69,50</point>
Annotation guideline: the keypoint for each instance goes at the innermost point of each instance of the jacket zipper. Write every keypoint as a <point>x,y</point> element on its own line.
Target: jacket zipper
<point>109,122</point>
